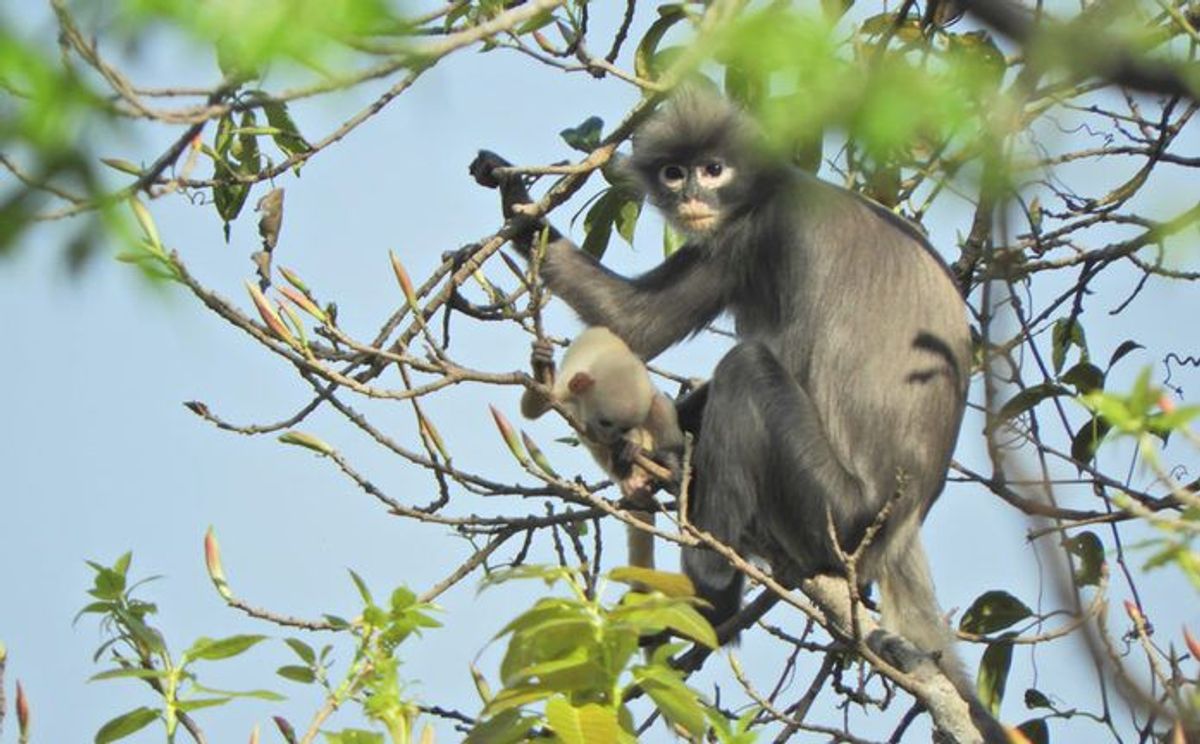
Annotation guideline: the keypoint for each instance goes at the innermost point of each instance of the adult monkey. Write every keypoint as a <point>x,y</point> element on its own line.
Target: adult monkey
<point>846,390</point>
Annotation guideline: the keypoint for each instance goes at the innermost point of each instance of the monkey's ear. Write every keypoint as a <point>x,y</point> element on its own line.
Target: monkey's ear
<point>580,383</point>
<point>621,173</point>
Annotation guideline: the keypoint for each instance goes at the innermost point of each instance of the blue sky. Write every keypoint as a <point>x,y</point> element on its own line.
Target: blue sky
<point>100,457</point>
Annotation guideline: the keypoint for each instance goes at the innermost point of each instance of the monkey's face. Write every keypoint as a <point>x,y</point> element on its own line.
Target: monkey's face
<point>611,410</point>
<point>690,193</point>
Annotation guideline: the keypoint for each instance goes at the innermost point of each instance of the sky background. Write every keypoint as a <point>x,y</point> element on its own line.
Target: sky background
<point>99,456</point>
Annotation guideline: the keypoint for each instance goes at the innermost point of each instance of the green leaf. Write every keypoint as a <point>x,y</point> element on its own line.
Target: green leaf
<point>620,646</point>
<point>586,136</point>
<point>744,86</point>
<point>108,584</point>
<point>670,584</point>
<point>575,672</point>
<point>548,574</point>
<point>303,675</point>
<point>1089,552</point>
<point>289,139</point>
<point>361,585</point>
<point>122,165</point>
<point>993,674</point>
<point>198,703</point>
<point>651,615</point>
<point>95,608</point>
<point>1028,398</point>
<point>1126,347</point>
<point>224,648</point>
<point>1165,423</point>
<point>1087,440</point>
<point>599,220</point>
<point>143,633</point>
<point>1067,332</point>
<point>1035,699</point>
<point>993,611</point>
<point>539,21</point>
<point>977,58</point>
<point>308,441</point>
<point>1036,731</point>
<point>673,240</point>
<point>1084,377</point>
<point>248,694</point>
<point>126,724</point>
<point>627,219</point>
<point>588,724</point>
<point>1144,396</point>
<point>679,703</point>
<point>246,151</point>
<point>229,194</point>
<point>302,649</point>
<point>508,727</point>
<point>737,732</point>
<point>135,673</point>
<point>121,565</point>
<point>644,58</point>
<point>224,136</point>
<point>353,736</point>
<point>514,697</point>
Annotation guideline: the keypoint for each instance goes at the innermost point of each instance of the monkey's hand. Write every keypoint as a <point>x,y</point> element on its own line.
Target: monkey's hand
<point>513,192</point>
<point>629,457</point>
<point>542,361</point>
<point>483,169</point>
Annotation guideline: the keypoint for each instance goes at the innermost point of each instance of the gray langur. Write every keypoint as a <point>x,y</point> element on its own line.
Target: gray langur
<point>843,397</point>
<point>607,389</point>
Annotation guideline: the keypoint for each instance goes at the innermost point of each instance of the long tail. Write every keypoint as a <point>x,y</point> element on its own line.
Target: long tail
<point>641,543</point>
<point>910,610</point>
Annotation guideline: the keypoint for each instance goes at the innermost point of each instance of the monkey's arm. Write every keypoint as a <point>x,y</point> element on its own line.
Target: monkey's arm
<point>649,312</point>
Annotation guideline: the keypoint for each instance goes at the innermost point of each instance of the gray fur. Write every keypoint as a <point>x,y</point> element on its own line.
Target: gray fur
<point>847,387</point>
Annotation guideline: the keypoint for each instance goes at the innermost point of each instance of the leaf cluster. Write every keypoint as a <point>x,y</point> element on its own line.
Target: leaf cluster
<point>571,664</point>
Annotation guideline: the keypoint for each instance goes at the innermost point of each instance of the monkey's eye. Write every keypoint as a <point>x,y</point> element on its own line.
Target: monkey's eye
<point>714,174</point>
<point>672,175</point>
<point>605,423</point>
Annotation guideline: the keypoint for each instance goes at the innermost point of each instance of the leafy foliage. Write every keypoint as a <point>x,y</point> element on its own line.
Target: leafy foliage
<point>139,652</point>
<point>577,658</point>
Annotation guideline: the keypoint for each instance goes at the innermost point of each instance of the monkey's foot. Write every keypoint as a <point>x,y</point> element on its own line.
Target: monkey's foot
<point>901,653</point>
<point>458,257</point>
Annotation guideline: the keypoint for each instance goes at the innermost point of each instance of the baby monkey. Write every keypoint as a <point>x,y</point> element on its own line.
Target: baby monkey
<point>629,426</point>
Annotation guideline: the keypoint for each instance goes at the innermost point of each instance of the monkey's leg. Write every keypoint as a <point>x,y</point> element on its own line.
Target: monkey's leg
<point>764,471</point>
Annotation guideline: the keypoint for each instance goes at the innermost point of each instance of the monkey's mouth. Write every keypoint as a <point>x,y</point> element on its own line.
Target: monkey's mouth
<point>695,217</point>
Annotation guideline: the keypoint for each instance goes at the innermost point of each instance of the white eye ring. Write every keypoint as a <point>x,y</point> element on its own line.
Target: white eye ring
<point>672,176</point>
<point>714,174</point>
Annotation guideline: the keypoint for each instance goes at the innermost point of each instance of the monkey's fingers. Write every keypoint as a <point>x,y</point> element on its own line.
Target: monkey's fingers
<point>658,472</point>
